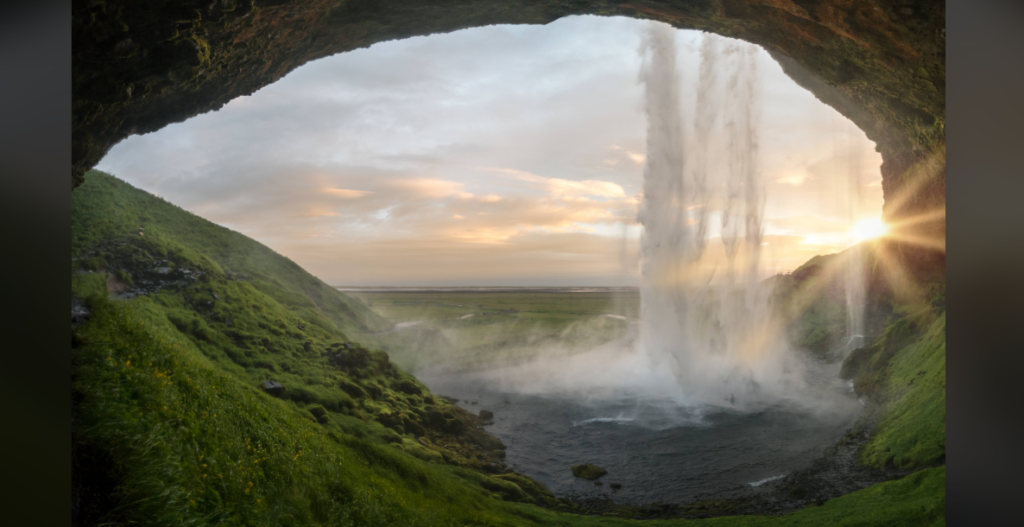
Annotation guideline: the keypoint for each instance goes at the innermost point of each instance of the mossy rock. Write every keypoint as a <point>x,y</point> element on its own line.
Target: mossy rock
<point>508,490</point>
<point>353,390</point>
<point>320,413</point>
<point>588,471</point>
<point>409,387</point>
<point>534,488</point>
<point>414,428</point>
<point>426,454</point>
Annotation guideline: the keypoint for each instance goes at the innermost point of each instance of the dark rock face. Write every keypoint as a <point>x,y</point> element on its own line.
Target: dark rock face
<point>138,66</point>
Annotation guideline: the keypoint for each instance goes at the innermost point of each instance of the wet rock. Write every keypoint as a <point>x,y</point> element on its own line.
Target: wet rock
<point>273,388</point>
<point>588,471</point>
<point>486,415</point>
<point>79,312</point>
<point>615,486</point>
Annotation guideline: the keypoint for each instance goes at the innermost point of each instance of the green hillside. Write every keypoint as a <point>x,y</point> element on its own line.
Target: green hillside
<point>186,320</point>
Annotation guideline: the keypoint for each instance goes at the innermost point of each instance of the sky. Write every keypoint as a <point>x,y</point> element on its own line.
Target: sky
<point>499,155</point>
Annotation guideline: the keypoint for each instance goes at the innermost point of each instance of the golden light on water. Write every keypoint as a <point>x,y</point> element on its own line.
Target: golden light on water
<point>869,229</point>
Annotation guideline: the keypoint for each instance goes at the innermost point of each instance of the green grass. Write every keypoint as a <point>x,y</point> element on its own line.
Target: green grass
<point>167,389</point>
<point>912,430</point>
<point>108,210</point>
<point>193,444</point>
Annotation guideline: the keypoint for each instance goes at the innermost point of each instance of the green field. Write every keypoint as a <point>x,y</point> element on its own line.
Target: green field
<point>465,327</point>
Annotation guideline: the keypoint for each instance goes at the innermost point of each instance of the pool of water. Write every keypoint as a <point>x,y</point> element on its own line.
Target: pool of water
<point>657,449</point>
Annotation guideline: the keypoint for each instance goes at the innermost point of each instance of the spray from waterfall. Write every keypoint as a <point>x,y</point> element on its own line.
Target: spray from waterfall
<point>704,314</point>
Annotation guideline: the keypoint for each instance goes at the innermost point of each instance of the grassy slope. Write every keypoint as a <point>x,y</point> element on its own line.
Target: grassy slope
<point>903,370</point>
<point>910,384</point>
<point>816,301</point>
<point>111,209</point>
<point>170,395</point>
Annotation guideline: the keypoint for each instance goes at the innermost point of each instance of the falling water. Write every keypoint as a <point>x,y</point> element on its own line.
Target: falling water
<point>855,286</point>
<point>705,318</point>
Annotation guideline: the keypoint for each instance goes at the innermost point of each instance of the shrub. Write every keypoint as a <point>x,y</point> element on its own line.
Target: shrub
<point>96,263</point>
<point>320,413</point>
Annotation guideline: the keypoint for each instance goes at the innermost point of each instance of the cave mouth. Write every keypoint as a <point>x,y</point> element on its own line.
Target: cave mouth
<point>281,187</point>
<point>447,150</point>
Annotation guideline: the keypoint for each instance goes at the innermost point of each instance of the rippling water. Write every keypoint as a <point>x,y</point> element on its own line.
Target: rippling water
<point>658,450</point>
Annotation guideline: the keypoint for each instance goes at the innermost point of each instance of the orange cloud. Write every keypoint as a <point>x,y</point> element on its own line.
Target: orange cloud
<point>345,193</point>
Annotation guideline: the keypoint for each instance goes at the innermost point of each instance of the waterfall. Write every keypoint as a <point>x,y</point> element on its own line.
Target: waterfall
<point>855,286</point>
<point>704,315</point>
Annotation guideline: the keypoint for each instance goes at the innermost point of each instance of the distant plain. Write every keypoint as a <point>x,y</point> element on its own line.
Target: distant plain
<point>477,326</point>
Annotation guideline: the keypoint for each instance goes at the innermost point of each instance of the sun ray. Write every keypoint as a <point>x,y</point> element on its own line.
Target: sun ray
<point>811,289</point>
<point>915,177</point>
<point>924,217</point>
<point>920,241</point>
<point>905,290</point>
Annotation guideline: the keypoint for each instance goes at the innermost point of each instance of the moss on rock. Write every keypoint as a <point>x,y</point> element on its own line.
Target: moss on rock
<point>588,471</point>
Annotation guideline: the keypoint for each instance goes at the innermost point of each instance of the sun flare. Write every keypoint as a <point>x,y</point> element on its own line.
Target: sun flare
<point>868,229</point>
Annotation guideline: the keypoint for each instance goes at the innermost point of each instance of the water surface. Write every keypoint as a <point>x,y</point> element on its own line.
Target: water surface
<point>658,450</point>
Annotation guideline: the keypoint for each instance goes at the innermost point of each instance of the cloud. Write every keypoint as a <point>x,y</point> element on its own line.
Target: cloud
<point>793,179</point>
<point>565,187</point>
<point>431,188</point>
<point>345,193</point>
<point>635,157</point>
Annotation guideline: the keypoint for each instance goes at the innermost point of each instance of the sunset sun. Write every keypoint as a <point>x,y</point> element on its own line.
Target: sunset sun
<point>869,229</point>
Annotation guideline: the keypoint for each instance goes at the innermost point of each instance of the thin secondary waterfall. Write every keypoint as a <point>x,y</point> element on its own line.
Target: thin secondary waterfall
<point>704,315</point>
<point>855,286</point>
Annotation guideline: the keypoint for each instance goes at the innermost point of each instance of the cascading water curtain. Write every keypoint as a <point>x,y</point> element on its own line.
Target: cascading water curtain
<point>704,316</point>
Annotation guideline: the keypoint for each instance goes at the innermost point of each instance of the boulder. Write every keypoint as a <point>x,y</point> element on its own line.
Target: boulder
<point>273,388</point>
<point>588,471</point>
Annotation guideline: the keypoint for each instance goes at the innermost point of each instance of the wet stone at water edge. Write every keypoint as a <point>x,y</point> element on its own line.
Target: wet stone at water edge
<point>588,471</point>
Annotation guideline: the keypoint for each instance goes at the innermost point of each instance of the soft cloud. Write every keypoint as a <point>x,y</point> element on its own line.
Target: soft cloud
<point>432,188</point>
<point>793,179</point>
<point>565,187</point>
<point>345,193</point>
